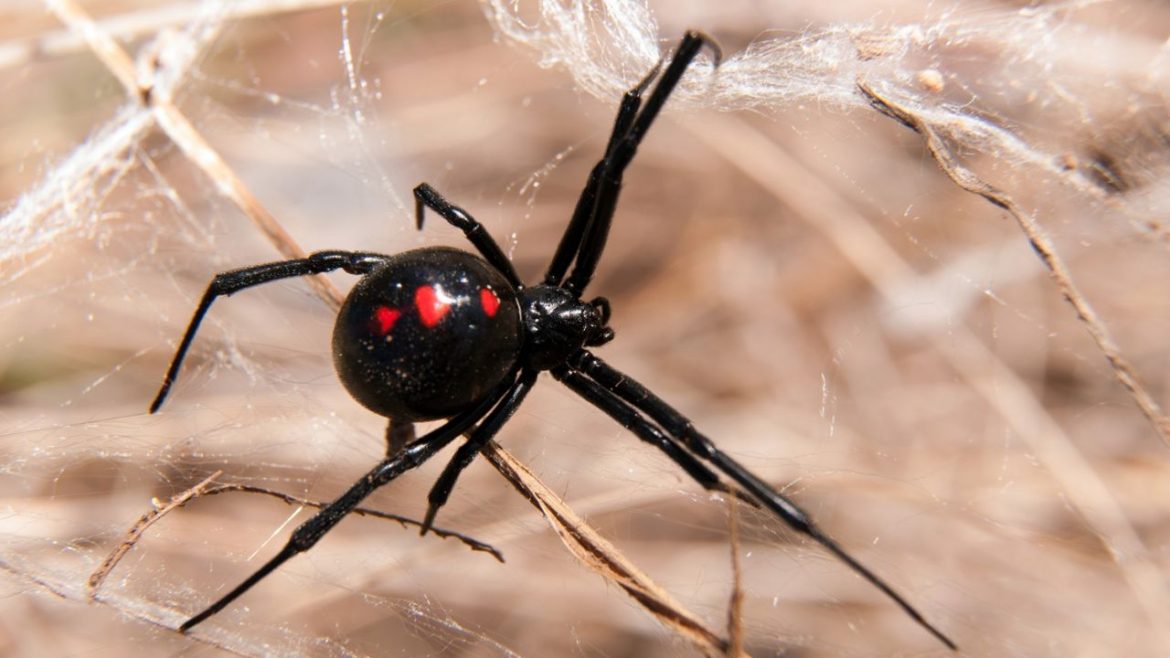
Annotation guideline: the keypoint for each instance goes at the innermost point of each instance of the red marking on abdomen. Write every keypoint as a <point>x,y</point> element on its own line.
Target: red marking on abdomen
<point>490,302</point>
<point>384,319</point>
<point>431,309</point>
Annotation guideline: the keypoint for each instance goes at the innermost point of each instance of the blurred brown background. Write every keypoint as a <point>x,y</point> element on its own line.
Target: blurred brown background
<point>799,278</point>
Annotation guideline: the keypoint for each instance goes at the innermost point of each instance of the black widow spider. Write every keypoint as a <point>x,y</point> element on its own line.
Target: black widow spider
<point>440,333</point>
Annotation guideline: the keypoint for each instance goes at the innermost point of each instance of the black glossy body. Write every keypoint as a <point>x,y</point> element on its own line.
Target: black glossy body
<point>426,333</point>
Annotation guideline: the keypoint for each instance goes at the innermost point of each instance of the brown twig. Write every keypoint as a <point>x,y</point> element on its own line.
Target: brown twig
<point>595,552</point>
<point>735,603</point>
<point>135,533</point>
<point>815,201</point>
<point>1041,244</point>
<point>473,543</point>
<point>205,488</point>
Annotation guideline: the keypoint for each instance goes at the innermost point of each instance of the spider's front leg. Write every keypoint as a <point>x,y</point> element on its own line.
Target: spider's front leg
<point>475,444</point>
<point>625,400</point>
<point>629,418</point>
<point>585,237</point>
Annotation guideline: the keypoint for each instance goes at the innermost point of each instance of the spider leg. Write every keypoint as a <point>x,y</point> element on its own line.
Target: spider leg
<point>226,283</point>
<point>609,171</point>
<point>583,212</point>
<point>311,531</point>
<point>474,445</point>
<point>629,418</point>
<point>426,196</point>
<point>641,398</point>
<point>398,435</point>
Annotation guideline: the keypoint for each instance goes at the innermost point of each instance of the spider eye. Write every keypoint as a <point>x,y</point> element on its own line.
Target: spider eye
<point>602,306</point>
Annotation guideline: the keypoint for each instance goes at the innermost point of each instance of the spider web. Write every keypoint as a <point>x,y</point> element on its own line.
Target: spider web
<point>909,259</point>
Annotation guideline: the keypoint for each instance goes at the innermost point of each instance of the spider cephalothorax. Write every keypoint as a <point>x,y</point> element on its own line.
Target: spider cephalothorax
<point>557,325</point>
<point>441,333</point>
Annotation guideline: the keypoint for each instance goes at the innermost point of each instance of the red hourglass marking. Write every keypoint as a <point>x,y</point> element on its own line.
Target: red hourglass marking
<point>384,319</point>
<point>431,308</point>
<point>490,302</point>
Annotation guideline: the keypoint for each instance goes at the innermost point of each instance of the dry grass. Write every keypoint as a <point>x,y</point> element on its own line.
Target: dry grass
<point>807,284</point>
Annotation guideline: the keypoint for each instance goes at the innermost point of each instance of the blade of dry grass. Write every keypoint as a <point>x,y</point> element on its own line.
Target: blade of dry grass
<point>136,22</point>
<point>207,488</point>
<point>1043,246</point>
<point>602,557</point>
<point>140,526</point>
<point>735,602</point>
<point>816,203</point>
<point>66,592</point>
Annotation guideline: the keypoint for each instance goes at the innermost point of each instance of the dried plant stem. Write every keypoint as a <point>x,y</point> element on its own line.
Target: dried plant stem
<point>594,551</point>
<point>99,41</point>
<point>814,201</point>
<point>471,542</point>
<point>135,532</point>
<point>206,488</point>
<point>1041,244</point>
<point>180,130</point>
<point>735,603</point>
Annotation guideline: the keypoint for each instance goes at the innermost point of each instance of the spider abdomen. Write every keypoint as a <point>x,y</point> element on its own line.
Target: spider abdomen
<point>426,334</point>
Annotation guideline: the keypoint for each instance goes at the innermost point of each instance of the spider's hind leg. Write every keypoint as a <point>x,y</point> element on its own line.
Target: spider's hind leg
<point>227,283</point>
<point>399,433</point>
<point>311,531</point>
<point>475,444</point>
